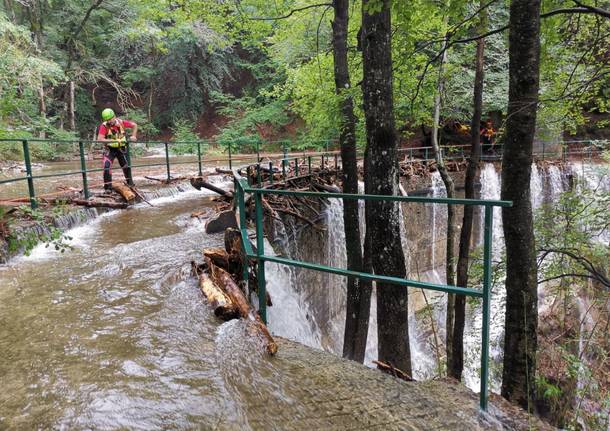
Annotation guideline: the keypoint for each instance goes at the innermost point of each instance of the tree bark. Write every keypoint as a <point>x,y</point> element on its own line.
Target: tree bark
<point>42,107</point>
<point>520,341</point>
<point>358,291</point>
<point>450,188</point>
<point>71,107</point>
<point>455,359</point>
<point>382,178</point>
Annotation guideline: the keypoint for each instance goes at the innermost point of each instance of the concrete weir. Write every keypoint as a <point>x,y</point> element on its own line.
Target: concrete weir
<point>337,394</point>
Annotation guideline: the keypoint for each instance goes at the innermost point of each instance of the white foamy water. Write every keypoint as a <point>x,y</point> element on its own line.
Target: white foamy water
<point>289,317</point>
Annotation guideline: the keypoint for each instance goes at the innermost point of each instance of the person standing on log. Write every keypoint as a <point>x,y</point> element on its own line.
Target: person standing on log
<point>112,133</point>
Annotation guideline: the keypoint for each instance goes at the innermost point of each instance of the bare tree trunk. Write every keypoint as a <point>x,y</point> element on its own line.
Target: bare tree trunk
<point>10,11</point>
<point>358,291</point>
<point>382,178</point>
<point>34,10</point>
<point>520,341</point>
<point>71,109</point>
<point>455,360</point>
<point>450,187</point>
<point>42,107</point>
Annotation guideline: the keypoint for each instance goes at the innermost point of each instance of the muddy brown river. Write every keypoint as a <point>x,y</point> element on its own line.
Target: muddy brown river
<point>114,333</point>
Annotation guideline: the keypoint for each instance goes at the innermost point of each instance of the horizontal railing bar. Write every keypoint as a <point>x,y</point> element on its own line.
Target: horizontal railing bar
<point>417,199</point>
<point>60,174</point>
<point>12,180</point>
<point>476,293</point>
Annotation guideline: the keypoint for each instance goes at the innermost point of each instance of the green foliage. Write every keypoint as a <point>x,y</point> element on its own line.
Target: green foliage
<point>249,118</point>
<point>185,137</point>
<point>26,240</point>
<point>146,128</point>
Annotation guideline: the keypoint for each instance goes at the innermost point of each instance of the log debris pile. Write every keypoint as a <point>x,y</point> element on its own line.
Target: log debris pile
<point>300,208</point>
<point>220,279</point>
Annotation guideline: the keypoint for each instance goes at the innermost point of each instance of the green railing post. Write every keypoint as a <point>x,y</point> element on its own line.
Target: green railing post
<point>248,175</point>
<point>28,170</point>
<point>230,157</point>
<point>309,164</point>
<point>258,175</point>
<point>83,169</point>
<point>426,154</point>
<point>488,236</point>
<point>258,152</point>
<point>260,251</point>
<point>322,164</point>
<point>242,225</point>
<point>270,172</point>
<point>199,158</point>
<point>169,176</point>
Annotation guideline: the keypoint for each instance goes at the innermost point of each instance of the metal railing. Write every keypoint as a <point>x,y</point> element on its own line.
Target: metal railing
<point>242,188</point>
<point>84,171</point>
<point>286,159</point>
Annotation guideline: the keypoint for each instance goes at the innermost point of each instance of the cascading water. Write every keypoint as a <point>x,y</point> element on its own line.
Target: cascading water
<point>536,190</point>
<point>490,190</point>
<point>336,287</point>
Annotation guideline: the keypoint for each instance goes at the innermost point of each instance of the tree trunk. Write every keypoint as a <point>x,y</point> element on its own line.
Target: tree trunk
<point>520,341</point>
<point>382,178</point>
<point>358,291</point>
<point>10,11</point>
<point>42,107</point>
<point>34,9</point>
<point>455,359</point>
<point>71,107</point>
<point>450,187</point>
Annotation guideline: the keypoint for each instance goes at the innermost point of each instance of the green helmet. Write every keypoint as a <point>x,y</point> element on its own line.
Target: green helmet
<point>107,114</point>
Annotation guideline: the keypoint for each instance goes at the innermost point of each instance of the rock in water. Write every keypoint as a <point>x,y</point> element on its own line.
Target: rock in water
<point>221,221</point>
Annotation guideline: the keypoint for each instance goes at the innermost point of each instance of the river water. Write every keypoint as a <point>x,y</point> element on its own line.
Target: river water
<point>114,334</point>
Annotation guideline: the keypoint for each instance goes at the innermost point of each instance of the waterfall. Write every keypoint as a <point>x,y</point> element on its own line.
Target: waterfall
<point>336,285</point>
<point>439,217</point>
<point>536,191</point>
<point>490,190</point>
<point>289,316</point>
<point>556,184</point>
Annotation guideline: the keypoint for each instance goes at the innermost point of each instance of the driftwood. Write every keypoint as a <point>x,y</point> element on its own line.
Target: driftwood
<point>223,279</point>
<point>220,302</point>
<point>99,204</point>
<point>199,182</point>
<point>390,369</point>
<point>140,195</point>
<point>224,171</point>
<point>165,180</point>
<point>124,191</point>
<point>219,257</point>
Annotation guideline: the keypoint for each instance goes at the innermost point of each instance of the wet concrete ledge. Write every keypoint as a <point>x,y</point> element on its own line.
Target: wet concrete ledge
<point>77,215</point>
<point>345,395</point>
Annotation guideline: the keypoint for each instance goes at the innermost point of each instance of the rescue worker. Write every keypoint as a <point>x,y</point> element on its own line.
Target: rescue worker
<point>488,135</point>
<point>112,132</point>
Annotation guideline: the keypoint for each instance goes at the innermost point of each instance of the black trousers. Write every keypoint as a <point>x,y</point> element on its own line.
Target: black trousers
<point>109,155</point>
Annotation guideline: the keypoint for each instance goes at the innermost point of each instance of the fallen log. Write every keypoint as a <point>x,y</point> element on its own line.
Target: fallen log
<point>125,192</point>
<point>219,257</point>
<point>99,204</point>
<point>223,279</point>
<point>218,300</point>
<point>224,171</point>
<point>199,182</point>
<point>390,369</point>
